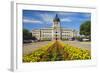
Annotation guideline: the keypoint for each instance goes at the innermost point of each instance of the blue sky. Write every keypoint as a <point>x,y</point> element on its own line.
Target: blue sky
<point>33,19</point>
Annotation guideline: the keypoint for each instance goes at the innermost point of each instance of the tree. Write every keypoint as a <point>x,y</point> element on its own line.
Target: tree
<point>26,34</point>
<point>85,29</point>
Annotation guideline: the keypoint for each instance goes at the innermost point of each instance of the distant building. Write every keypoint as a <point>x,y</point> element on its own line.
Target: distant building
<point>54,32</point>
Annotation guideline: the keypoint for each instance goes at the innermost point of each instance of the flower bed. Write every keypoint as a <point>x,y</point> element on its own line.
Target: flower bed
<point>57,51</point>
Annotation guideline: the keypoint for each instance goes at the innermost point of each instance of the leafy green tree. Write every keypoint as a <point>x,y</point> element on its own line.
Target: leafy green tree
<point>85,28</point>
<point>26,34</point>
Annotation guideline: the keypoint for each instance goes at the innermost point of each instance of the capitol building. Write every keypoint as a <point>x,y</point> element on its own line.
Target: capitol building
<point>55,32</point>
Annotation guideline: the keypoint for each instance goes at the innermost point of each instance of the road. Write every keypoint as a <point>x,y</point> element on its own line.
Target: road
<point>30,47</point>
<point>83,45</point>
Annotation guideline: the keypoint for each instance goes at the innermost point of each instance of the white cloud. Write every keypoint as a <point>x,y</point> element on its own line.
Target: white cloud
<point>65,13</point>
<point>66,20</point>
<point>26,20</point>
<point>47,17</point>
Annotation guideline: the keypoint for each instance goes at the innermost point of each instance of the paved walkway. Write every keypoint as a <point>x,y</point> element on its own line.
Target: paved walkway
<point>83,45</point>
<point>29,48</point>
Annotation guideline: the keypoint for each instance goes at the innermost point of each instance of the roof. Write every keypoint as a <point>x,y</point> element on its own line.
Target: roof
<point>56,18</point>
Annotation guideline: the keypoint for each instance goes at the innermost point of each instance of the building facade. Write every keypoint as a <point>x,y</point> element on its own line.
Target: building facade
<point>56,32</point>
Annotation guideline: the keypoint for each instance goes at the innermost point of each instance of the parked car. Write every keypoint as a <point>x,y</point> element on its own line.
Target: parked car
<point>85,39</point>
<point>27,41</point>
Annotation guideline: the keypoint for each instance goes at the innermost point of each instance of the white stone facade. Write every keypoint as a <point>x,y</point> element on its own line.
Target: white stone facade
<point>54,32</point>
